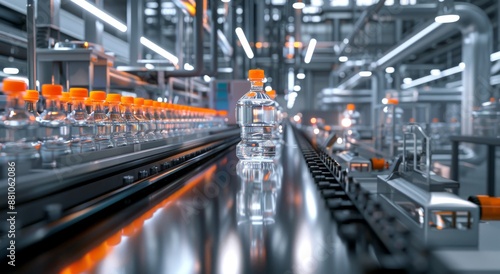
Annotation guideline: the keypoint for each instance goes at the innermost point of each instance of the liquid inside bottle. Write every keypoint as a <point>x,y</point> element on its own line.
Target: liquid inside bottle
<point>54,128</point>
<point>30,99</point>
<point>148,115</point>
<point>101,123</point>
<point>17,131</point>
<point>118,124</point>
<point>255,113</point>
<point>158,116</point>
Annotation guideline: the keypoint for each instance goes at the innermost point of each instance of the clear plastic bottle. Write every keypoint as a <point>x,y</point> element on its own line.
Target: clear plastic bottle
<point>30,99</point>
<point>137,107</point>
<point>131,122</point>
<point>255,113</point>
<point>164,114</point>
<point>158,115</point>
<point>17,131</point>
<point>54,128</point>
<point>100,121</point>
<point>88,104</point>
<point>277,136</point>
<point>65,103</point>
<point>82,131</point>
<point>148,113</point>
<point>118,124</point>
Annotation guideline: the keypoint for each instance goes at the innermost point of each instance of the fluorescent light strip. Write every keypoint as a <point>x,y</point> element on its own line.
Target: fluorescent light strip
<point>154,47</point>
<point>101,14</point>
<point>244,43</point>
<point>407,43</point>
<point>495,56</point>
<point>310,50</point>
<point>429,78</point>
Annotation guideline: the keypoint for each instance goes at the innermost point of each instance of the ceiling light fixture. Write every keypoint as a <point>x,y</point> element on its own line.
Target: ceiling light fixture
<point>447,18</point>
<point>154,47</point>
<point>244,43</point>
<point>268,88</point>
<point>301,75</point>
<point>407,80</point>
<point>11,71</point>
<point>435,72</point>
<point>101,15</point>
<point>389,70</point>
<point>298,5</point>
<point>310,50</point>
<point>343,59</point>
<point>428,78</point>
<point>446,12</point>
<point>365,73</point>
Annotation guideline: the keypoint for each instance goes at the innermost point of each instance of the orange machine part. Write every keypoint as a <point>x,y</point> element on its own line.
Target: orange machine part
<point>489,207</point>
<point>351,107</point>
<point>378,163</point>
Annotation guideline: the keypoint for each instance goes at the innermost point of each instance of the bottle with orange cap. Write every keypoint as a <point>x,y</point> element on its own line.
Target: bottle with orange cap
<point>118,124</point>
<point>165,120</point>
<point>392,131</point>
<point>54,128</point>
<point>277,136</point>
<point>30,99</point>
<point>100,121</point>
<point>65,102</point>
<point>158,116</point>
<point>82,132</point>
<point>148,113</point>
<point>144,125</point>
<point>131,122</point>
<point>256,115</point>
<point>17,130</point>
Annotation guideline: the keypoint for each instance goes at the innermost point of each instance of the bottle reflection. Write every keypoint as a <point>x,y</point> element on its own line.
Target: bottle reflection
<point>256,199</point>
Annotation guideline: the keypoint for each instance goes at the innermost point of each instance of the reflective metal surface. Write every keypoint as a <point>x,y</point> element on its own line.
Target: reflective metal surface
<point>231,217</point>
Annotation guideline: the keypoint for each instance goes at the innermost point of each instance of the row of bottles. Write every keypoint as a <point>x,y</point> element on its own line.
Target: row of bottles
<point>79,122</point>
<point>257,115</point>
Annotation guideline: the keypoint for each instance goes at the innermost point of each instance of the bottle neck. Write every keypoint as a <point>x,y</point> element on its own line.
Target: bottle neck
<point>78,105</point>
<point>114,107</point>
<point>52,103</point>
<point>98,106</point>
<point>15,101</point>
<point>127,109</point>
<point>256,86</point>
<point>30,106</point>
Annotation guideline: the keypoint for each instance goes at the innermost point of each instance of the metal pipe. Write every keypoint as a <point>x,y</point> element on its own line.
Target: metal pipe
<point>198,44</point>
<point>31,49</point>
<point>477,35</point>
<point>363,19</point>
<point>213,39</point>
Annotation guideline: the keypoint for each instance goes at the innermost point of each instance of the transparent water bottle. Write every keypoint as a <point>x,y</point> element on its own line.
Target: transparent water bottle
<point>118,123</point>
<point>143,133</point>
<point>148,114</point>
<point>82,131</point>
<point>158,116</point>
<point>277,136</point>
<point>30,99</point>
<point>255,114</point>
<point>17,131</point>
<point>54,128</point>
<point>100,121</point>
<point>131,122</point>
<point>164,114</point>
<point>350,121</point>
<point>65,102</point>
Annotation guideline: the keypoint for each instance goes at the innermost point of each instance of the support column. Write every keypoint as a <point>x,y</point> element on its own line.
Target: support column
<point>93,27</point>
<point>135,29</point>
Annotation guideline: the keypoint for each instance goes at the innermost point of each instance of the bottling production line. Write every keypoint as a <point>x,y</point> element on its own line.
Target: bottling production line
<point>381,121</point>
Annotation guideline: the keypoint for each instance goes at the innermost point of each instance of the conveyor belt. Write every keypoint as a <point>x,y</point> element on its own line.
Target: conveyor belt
<point>222,217</point>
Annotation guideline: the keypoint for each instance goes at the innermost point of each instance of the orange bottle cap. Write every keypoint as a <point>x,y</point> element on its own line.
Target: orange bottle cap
<point>492,100</point>
<point>78,92</point>
<point>139,101</point>
<point>222,112</point>
<point>351,107</point>
<point>49,90</point>
<point>88,101</point>
<point>148,102</point>
<point>157,104</point>
<point>164,104</point>
<point>13,85</point>
<point>128,100</point>
<point>98,95</point>
<point>31,95</point>
<point>435,120</point>
<point>256,74</point>
<point>271,93</point>
<point>113,97</point>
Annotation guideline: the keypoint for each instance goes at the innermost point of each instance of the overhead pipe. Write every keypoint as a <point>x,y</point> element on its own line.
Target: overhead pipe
<point>477,36</point>
<point>31,45</point>
<point>360,23</point>
<point>213,39</point>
